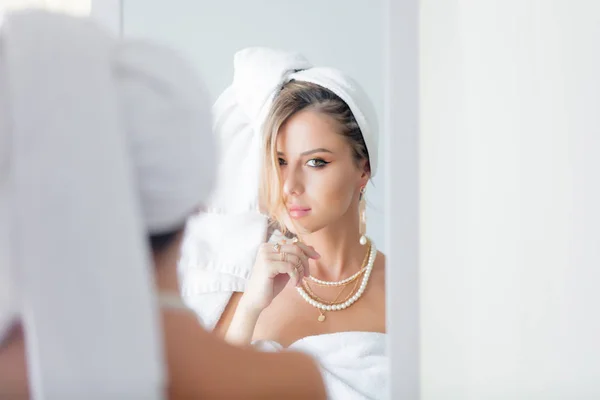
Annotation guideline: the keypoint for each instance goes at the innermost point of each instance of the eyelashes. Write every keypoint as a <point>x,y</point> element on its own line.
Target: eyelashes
<point>316,163</point>
<point>313,162</point>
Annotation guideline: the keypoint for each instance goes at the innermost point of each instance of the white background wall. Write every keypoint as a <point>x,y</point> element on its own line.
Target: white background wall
<point>510,199</point>
<point>336,33</point>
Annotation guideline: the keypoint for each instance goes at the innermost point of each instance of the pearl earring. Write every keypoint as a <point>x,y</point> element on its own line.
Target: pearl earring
<point>362,217</point>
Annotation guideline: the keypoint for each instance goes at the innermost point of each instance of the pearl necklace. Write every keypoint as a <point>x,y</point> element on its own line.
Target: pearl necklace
<point>343,281</point>
<point>337,283</point>
<point>351,300</point>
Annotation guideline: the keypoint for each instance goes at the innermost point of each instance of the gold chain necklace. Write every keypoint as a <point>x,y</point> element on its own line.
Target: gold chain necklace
<point>335,301</point>
<point>321,316</point>
<point>313,294</point>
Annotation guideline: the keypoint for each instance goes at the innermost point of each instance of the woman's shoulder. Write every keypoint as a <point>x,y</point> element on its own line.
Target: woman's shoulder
<point>378,273</point>
<point>380,264</point>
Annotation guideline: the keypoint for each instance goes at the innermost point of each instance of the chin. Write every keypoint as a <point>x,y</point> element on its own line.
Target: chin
<point>304,226</point>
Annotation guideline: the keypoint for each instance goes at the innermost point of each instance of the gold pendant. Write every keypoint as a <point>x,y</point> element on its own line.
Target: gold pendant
<point>321,318</point>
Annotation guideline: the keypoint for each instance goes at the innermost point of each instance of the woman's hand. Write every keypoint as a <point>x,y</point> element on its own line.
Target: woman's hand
<point>275,266</point>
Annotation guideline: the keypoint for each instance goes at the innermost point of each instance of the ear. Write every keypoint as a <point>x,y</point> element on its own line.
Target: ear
<point>365,174</point>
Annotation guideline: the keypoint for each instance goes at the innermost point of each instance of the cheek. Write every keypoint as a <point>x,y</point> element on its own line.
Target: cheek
<point>332,191</point>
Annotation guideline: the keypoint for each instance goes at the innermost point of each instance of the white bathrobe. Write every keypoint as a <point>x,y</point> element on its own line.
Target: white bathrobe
<point>354,365</point>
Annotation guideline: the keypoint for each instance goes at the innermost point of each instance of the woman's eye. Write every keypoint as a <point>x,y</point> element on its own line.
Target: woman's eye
<point>281,161</point>
<point>317,163</point>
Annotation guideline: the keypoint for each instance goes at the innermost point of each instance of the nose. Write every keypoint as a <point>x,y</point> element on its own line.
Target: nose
<point>293,182</point>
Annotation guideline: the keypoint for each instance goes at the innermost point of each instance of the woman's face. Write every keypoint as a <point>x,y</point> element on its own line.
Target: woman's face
<point>321,180</point>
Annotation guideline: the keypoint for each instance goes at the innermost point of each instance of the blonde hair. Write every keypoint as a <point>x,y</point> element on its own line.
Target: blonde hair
<point>294,97</point>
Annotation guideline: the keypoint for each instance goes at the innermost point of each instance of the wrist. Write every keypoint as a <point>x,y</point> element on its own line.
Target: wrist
<point>248,307</point>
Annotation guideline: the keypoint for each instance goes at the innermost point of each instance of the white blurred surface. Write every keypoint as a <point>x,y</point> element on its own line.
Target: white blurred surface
<point>73,7</point>
<point>510,257</point>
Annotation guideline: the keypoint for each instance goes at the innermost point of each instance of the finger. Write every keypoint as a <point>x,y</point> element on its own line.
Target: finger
<point>302,271</point>
<point>308,250</point>
<point>268,252</point>
<point>301,265</point>
<point>283,267</point>
<point>268,247</point>
<point>299,251</point>
<point>298,274</point>
<point>297,259</point>
<point>295,271</point>
<point>298,263</point>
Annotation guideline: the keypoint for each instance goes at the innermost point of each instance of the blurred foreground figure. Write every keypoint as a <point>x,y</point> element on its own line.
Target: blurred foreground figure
<point>105,151</point>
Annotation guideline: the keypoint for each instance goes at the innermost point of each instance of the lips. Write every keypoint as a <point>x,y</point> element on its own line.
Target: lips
<point>298,211</point>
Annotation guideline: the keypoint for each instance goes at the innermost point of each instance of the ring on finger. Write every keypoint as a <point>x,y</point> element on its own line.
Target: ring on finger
<point>276,247</point>
<point>299,267</point>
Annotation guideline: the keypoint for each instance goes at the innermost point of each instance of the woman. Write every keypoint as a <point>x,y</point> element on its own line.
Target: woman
<point>104,144</point>
<point>320,287</point>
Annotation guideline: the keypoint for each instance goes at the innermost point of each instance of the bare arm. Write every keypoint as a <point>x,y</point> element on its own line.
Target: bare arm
<point>225,321</point>
<point>242,325</point>
<point>202,365</point>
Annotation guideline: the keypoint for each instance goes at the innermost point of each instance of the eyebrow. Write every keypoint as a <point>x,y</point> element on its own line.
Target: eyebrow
<point>309,152</point>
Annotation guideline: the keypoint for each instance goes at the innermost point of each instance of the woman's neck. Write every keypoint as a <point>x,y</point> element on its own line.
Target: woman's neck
<point>341,252</point>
